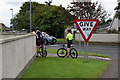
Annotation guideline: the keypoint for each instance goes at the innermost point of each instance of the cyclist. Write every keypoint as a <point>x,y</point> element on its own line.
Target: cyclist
<point>42,35</point>
<point>69,38</point>
<point>38,39</point>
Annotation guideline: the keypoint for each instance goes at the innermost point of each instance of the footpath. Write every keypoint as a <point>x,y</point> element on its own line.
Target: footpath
<point>110,72</point>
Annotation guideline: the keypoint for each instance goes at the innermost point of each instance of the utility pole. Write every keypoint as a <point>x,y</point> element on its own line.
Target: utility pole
<point>30,15</point>
<point>12,18</point>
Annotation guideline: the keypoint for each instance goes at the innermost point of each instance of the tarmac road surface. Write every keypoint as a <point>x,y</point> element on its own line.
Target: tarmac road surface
<point>110,50</point>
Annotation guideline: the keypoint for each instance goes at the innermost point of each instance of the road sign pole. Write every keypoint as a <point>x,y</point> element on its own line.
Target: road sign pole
<point>79,40</point>
<point>84,52</point>
<point>87,52</point>
<point>79,43</point>
<point>30,15</point>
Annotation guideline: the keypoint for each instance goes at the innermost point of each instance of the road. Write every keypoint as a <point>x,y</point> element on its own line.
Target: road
<point>110,50</point>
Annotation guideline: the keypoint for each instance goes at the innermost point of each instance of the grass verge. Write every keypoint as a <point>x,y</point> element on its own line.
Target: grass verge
<point>62,40</point>
<point>82,53</point>
<point>53,67</point>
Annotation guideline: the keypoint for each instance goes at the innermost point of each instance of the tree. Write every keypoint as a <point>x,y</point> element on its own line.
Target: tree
<point>51,19</point>
<point>88,10</point>
<point>117,11</point>
<point>48,3</point>
<point>22,19</point>
<point>108,21</point>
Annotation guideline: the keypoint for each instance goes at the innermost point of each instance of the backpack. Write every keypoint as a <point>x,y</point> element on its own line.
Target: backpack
<point>38,36</point>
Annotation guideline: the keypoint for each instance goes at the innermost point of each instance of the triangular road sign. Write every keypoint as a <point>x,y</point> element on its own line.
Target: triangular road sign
<point>86,27</point>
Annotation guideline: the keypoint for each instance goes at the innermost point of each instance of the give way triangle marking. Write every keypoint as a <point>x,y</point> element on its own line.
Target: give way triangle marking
<point>86,27</point>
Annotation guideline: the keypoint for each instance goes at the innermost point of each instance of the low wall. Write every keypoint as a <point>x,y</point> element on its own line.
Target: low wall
<point>16,53</point>
<point>110,38</point>
<point>7,35</point>
<point>0,61</point>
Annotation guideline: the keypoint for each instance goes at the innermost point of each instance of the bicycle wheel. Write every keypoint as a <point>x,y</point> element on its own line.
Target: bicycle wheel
<point>73,53</point>
<point>45,53</point>
<point>62,52</point>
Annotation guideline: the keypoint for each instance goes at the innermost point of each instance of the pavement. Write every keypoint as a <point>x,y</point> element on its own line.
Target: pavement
<point>110,72</point>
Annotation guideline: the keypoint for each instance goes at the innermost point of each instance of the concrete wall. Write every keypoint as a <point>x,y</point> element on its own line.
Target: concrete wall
<point>0,61</point>
<point>16,53</point>
<point>7,35</point>
<point>102,38</point>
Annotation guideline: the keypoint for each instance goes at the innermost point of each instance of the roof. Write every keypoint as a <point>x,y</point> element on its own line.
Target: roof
<point>2,24</point>
<point>103,26</point>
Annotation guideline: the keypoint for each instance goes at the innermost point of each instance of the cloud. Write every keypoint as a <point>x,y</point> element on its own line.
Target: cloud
<point>5,5</point>
<point>14,3</point>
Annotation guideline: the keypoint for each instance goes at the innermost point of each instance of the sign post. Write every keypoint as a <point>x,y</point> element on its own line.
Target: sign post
<point>86,27</point>
<point>87,52</point>
<point>79,44</point>
<point>79,41</point>
<point>84,51</point>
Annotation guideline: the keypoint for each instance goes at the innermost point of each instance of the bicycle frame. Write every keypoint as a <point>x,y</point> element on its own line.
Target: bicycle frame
<point>73,54</point>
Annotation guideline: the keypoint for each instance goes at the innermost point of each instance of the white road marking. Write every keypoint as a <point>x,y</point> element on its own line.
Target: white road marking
<point>53,45</point>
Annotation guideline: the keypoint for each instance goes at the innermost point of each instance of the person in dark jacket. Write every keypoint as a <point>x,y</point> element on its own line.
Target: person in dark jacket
<point>38,39</point>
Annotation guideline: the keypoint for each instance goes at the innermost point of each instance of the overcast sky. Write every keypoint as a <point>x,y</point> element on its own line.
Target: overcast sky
<point>6,13</point>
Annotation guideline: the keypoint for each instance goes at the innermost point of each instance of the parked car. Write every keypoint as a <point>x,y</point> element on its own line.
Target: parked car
<point>49,39</point>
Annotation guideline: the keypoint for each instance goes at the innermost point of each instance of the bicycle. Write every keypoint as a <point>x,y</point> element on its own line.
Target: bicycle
<point>62,52</point>
<point>43,51</point>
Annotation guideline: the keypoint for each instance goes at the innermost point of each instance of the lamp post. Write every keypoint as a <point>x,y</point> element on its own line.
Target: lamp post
<point>30,15</point>
<point>12,18</point>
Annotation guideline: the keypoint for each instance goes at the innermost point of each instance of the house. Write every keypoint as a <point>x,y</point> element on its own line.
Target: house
<point>3,27</point>
<point>103,26</point>
<point>115,23</point>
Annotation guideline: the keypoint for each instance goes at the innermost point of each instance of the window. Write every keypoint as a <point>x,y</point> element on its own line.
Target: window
<point>118,28</point>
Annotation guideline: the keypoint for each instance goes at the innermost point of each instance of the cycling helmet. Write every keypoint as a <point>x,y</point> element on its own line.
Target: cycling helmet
<point>69,30</point>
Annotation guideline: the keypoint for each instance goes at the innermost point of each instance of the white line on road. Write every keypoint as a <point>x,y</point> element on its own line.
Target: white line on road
<point>53,45</point>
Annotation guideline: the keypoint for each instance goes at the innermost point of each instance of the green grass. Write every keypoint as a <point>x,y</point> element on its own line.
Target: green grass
<point>82,53</point>
<point>53,67</point>
<point>61,40</point>
<point>64,40</point>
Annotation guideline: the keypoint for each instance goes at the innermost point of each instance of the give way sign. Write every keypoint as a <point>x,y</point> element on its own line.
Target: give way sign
<point>86,27</point>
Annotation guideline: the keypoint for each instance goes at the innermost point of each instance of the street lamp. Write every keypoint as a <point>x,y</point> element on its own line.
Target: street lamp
<point>30,15</point>
<point>12,18</point>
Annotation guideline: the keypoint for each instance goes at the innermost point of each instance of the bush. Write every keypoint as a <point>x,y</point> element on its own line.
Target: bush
<point>112,31</point>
